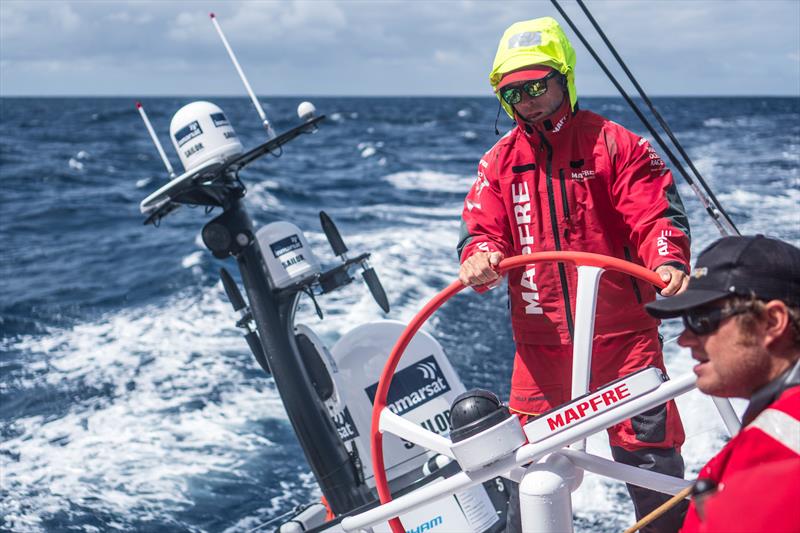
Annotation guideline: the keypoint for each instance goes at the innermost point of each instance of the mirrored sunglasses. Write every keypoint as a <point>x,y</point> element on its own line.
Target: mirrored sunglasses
<point>533,88</point>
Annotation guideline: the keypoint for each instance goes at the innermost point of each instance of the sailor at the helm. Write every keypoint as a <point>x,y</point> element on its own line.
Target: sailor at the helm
<point>565,179</point>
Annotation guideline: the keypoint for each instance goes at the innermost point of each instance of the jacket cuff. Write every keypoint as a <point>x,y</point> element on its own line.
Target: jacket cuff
<point>676,264</point>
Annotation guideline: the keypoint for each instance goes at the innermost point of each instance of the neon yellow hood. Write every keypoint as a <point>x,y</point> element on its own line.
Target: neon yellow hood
<point>534,42</point>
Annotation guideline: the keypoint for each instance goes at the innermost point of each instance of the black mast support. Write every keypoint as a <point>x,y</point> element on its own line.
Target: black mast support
<point>316,432</point>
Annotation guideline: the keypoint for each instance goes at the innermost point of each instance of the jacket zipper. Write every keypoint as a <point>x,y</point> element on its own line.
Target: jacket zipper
<point>562,273</point>
<point>564,201</point>
<point>633,280</point>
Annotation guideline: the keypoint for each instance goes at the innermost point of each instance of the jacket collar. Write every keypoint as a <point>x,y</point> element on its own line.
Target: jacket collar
<point>766,395</point>
<point>551,128</point>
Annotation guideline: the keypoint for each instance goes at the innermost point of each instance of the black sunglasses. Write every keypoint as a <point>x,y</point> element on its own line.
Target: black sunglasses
<point>534,88</point>
<point>705,321</point>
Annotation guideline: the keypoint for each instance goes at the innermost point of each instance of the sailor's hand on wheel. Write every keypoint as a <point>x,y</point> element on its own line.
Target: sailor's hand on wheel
<point>479,268</point>
<point>676,280</point>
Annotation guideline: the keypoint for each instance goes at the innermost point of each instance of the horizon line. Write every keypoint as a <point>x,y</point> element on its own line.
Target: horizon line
<point>244,96</point>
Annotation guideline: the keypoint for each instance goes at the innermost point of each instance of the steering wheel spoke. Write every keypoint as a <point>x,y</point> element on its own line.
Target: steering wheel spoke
<point>405,429</point>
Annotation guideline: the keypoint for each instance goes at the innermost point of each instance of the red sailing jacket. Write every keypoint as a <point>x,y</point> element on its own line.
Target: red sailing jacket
<point>756,475</point>
<point>580,183</point>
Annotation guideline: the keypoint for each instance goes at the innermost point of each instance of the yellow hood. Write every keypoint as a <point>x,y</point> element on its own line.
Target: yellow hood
<point>534,42</point>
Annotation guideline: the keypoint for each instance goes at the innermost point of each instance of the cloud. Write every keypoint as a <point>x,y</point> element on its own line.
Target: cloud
<point>295,24</point>
<point>387,47</point>
<point>66,17</point>
<point>447,57</point>
<point>126,17</point>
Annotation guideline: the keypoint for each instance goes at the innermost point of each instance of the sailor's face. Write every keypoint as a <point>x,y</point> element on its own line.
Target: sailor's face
<point>538,108</point>
<point>730,363</point>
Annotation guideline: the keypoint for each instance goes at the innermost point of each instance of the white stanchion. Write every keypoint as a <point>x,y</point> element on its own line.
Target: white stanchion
<point>585,303</point>
<point>729,417</point>
<point>545,499</point>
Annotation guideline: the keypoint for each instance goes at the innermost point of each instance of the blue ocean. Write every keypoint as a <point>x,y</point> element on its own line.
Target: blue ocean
<point>129,401</point>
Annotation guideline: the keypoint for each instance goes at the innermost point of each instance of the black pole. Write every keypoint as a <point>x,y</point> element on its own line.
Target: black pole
<point>710,209</point>
<point>658,116</point>
<point>324,451</point>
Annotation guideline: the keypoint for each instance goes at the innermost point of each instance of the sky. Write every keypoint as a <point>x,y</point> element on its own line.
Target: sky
<point>381,48</point>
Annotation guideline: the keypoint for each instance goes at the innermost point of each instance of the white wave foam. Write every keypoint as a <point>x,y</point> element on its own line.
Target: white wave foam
<point>792,155</point>
<point>369,149</point>
<point>259,195</point>
<point>74,164</point>
<point>614,108</point>
<point>744,122</point>
<point>786,202</point>
<point>276,511</point>
<point>414,215</point>
<point>193,259</point>
<point>175,404</point>
<point>428,180</point>
<point>770,214</point>
<point>716,122</point>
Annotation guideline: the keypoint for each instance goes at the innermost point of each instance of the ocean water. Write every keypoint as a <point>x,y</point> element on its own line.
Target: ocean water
<point>128,399</point>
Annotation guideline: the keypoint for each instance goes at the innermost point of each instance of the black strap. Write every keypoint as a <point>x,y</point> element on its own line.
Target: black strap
<point>497,118</point>
<point>766,395</point>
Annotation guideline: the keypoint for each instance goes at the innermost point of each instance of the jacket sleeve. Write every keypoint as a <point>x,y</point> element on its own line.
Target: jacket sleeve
<point>484,221</point>
<point>644,193</point>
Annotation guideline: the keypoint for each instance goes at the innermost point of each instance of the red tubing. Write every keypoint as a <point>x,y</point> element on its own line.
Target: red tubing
<point>577,258</point>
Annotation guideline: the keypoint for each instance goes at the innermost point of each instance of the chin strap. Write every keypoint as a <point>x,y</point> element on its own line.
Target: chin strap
<point>497,118</point>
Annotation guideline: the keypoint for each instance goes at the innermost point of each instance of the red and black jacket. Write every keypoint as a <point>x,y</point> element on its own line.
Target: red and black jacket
<point>576,182</point>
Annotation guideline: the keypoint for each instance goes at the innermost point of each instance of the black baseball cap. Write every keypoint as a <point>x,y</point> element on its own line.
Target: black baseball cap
<point>756,265</point>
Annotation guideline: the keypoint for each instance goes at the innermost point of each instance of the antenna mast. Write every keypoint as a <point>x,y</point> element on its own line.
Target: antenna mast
<point>155,140</point>
<point>256,103</point>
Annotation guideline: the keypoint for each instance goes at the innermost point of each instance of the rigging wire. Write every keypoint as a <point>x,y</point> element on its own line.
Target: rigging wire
<point>713,206</point>
<point>713,209</point>
<point>659,118</point>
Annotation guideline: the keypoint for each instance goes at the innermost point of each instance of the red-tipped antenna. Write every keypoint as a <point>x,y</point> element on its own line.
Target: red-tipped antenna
<point>155,140</point>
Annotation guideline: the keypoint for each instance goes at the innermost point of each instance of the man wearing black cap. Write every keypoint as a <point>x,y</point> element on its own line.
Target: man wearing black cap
<point>741,314</point>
